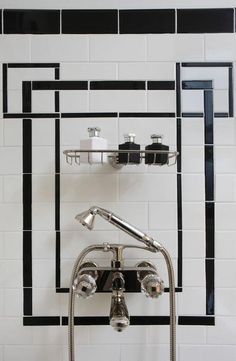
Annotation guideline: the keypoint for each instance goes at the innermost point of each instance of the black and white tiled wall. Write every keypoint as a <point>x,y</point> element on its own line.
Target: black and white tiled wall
<point>123,68</point>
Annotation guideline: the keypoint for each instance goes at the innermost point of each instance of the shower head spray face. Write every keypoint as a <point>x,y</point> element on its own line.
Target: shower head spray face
<point>87,218</point>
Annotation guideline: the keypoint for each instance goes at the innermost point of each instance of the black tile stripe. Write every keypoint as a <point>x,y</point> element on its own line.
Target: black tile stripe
<point>196,320</point>
<point>118,85</point>
<point>205,20</point>
<point>231,93</point>
<point>31,115</point>
<point>147,21</point>
<point>24,21</point>
<point>178,90</point>
<point>210,230</point>
<point>104,320</point>
<point>5,89</point>
<point>209,173</point>
<point>161,85</point>
<point>100,21</point>
<point>196,84</point>
<point>27,301</point>
<point>33,65</point>
<point>59,85</point>
<point>147,115</point>
<point>206,64</point>
<point>208,117</point>
<point>42,321</point>
<point>0,21</point>
<point>210,286</point>
<point>27,96</point>
<point>89,115</point>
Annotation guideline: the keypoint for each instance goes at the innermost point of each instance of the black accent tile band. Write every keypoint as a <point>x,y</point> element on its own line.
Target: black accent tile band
<point>59,85</point>
<point>209,173</point>
<point>178,90</point>
<point>0,21</point>
<point>161,85</point>
<point>205,21</point>
<point>196,320</point>
<point>89,115</point>
<point>196,84</point>
<point>104,320</point>
<point>210,286</point>
<point>42,321</point>
<point>147,115</point>
<point>22,21</point>
<point>208,117</point>
<point>90,21</point>
<point>210,229</point>
<point>27,304</point>
<point>4,87</point>
<point>33,65</point>
<point>231,93</point>
<point>147,21</point>
<point>117,85</point>
<point>206,64</point>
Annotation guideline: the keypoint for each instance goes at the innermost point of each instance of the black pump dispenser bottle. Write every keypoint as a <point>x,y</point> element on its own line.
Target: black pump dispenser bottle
<point>129,158</point>
<point>156,145</point>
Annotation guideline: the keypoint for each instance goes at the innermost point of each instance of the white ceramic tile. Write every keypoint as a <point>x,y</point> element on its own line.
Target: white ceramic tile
<point>192,301</point>
<point>57,48</point>
<point>225,216</point>
<point>14,333</point>
<point>193,216</point>
<point>12,132</point>
<point>1,245</point>
<point>117,48</point>
<point>224,131</point>
<point>221,101</point>
<point>100,353</point>
<point>43,101</point>
<point>225,244</point>
<point>225,188</point>
<point>192,159</point>
<point>194,244</point>
<point>15,101</point>
<point>147,70</point>
<point>1,188</point>
<point>158,334</point>
<point>44,274</point>
<point>12,188</point>
<point>207,352</point>
<point>11,274</point>
<point>193,131</point>
<point>43,188</point>
<point>147,352</point>
<point>225,302</point>
<point>223,332</point>
<point>147,187</point>
<point>224,42</point>
<point>43,131</point>
<point>43,216</point>
<point>43,160</point>
<point>191,335</point>
<point>73,130</point>
<point>1,128</point>
<point>192,101</point>
<point>13,248</point>
<point>2,303</point>
<point>193,187</point>
<point>34,353</point>
<point>54,335</point>
<point>89,188</point>
<point>74,101</point>
<point>15,48</point>
<point>17,75</point>
<point>46,302</point>
<point>117,101</point>
<point>43,244</point>
<point>13,299</point>
<point>88,71</point>
<point>11,160</point>
<point>225,159</point>
<point>181,47</point>
<point>161,101</point>
<point>219,76</point>
<point>225,272</point>
<point>162,215</point>
<point>11,217</point>
<point>194,273</point>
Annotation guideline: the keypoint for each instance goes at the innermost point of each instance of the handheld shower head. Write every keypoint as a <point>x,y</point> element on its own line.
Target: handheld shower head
<point>87,219</point>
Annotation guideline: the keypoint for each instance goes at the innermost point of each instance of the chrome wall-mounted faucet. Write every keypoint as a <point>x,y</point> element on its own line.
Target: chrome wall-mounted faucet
<point>85,275</point>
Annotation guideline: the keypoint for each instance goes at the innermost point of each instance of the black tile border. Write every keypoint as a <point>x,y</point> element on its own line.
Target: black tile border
<point>27,183</point>
<point>114,21</point>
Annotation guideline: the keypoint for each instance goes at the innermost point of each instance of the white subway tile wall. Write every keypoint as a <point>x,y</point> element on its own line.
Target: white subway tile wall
<point>150,197</point>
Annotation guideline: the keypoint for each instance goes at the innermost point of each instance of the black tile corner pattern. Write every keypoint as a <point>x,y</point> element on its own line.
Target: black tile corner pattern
<point>113,21</point>
<point>27,117</point>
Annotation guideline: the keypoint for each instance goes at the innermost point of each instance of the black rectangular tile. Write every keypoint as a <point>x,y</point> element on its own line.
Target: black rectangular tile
<point>206,64</point>
<point>231,93</point>
<point>0,21</point>
<point>147,115</point>
<point>210,229</point>
<point>89,115</point>
<point>42,321</point>
<point>196,320</point>
<point>27,259</point>
<point>4,88</point>
<point>178,89</point>
<point>157,21</point>
<point>161,85</point>
<point>26,96</point>
<point>27,301</point>
<point>205,20</point>
<point>197,84</point>
<point>22,21</point>
<point>59,85</point>
<point>100,21</point>
<point>209,173</point>
<point>30,115</point>
<point>33,65</point>
<point>210,286</point>
<point>117,85</point>
<point>208,117</point>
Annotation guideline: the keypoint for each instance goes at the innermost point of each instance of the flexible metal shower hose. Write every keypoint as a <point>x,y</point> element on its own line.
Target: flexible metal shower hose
<point>76,267</point>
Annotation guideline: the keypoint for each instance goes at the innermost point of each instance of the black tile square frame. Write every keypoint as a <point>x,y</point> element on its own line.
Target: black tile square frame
<point>26,116</point>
